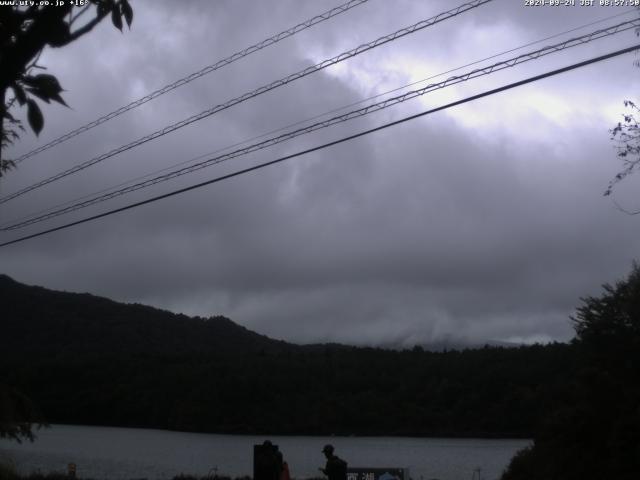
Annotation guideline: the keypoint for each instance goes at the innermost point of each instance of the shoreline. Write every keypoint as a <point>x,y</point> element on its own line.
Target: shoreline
<point>435,436</point>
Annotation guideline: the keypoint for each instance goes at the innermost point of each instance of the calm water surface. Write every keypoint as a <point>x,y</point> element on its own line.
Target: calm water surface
<point>125,453</point>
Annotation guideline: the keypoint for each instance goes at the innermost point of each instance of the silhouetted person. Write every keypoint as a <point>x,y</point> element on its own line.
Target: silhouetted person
<point>336,468</point>
<point>279,462</point>
<point>267,462</point>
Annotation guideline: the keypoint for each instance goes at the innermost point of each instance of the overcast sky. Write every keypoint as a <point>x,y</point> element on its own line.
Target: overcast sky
<point>481,222</point>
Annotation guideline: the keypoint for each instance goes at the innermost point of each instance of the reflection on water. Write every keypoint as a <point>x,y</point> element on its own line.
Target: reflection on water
<point>125,453</point>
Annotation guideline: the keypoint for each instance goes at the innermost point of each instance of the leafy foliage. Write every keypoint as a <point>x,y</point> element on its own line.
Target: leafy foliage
<point>595,432</point>
<point>627,137</point>
<point>25,30</point>
<point>24,33</point>
<point>17,415</point>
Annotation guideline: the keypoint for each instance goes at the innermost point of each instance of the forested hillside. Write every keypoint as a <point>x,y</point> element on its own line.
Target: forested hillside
<point>594,430</point>
<point>41,322</point>
<point>89,360</point>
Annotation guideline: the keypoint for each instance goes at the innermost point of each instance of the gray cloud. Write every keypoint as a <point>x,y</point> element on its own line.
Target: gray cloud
<point>482,222</point>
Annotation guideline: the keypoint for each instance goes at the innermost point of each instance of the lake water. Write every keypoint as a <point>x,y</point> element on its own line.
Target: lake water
<point>125,453</point>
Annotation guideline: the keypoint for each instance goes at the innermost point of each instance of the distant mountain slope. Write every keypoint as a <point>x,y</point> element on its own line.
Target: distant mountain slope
<point>35,319</point>
<point>88,360</point>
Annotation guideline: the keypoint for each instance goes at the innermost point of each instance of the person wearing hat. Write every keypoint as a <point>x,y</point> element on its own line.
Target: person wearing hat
<point>267,462</point>
<point>336,468</point>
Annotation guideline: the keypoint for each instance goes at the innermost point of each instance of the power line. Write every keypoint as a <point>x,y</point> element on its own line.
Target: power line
<point>339,119</point>
<point>301,122</point>
<point>265,88</point>
<point>598,34</point>
<point>204,71</point>
<point>330,144</point>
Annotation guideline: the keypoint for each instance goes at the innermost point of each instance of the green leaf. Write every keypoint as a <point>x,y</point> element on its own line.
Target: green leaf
<point>59,99</point>
<point>127,11</point>
<point>44,82</point>
<point>19,93</point>
<point>45,87</point>
<point>55,96</point>
<point>34,115</point>
<point>38,94</point>
<point>116,19</point>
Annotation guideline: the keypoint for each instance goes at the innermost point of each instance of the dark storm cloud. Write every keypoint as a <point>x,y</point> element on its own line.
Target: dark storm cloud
<point>483,222</point>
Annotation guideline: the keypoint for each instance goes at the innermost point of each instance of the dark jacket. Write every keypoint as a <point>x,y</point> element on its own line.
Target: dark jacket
<point>336,468</point>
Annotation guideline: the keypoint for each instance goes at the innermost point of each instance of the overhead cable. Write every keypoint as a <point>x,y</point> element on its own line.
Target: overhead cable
<point>479,72</point>
<point>329,144</point>
<point>315,117</point>
<point>204,71</point>
<point>265,88</point>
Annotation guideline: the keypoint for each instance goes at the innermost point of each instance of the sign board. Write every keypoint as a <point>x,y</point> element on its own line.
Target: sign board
<point>377,474</point>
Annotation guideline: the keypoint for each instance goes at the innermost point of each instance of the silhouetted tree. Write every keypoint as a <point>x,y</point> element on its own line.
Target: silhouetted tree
<point>627,137</point>
<point>18,415</point>
<point>626,134</point>
<point>24,33</point>
<point>595,434</point>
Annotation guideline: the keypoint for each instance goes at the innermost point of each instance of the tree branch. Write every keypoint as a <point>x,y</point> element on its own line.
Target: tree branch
<point>35,60</point>
<point>84,30</point>
<point>79,14</point>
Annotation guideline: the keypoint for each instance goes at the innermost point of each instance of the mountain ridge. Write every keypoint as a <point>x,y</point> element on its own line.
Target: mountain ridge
<point>221,331</point>
<point>89,360</point>
<point>51,321</point>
